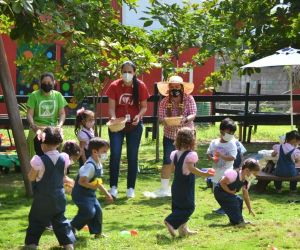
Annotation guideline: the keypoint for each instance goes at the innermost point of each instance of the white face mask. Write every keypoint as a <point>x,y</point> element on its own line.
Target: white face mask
<point>250,178</point>
<point>71,162</point>
<point>127,77</point>
<point>103,157</point>
<point>227,137</point>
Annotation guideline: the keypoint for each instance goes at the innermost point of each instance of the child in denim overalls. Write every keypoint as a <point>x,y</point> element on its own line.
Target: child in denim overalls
<point>288,155</point>
<point>232,181</point>
<point>84,130</point>
<point>84,191</point>
<point>49,202</point>
<point>183,186</point>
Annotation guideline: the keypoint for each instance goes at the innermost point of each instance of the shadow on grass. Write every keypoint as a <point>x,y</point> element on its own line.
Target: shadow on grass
<point>157,202</point>
<point>212,216</point>
<point>220,225</point>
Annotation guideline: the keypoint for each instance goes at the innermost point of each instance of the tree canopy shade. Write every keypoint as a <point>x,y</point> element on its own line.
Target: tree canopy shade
<point>92,34</point>
<point>237,31</point>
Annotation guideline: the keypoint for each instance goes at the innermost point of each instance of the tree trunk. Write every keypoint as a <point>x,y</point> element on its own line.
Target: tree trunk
<point>14,116</point>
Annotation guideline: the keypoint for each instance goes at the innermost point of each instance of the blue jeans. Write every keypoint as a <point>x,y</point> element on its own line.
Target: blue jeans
<point>133,139</point>
<point>168,147</point>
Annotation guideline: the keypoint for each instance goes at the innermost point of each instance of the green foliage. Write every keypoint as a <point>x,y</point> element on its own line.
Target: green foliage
<point>176,35</point>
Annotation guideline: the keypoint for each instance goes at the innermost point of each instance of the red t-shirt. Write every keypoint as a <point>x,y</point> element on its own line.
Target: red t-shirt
<point>122,94</point>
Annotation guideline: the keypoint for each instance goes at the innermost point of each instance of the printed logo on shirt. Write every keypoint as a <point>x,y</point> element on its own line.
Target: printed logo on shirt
<point>126,99</point>
<point>47,108</point>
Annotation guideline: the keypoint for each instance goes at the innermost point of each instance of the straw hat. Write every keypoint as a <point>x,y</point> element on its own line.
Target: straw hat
<point>163,87</point>
<point>116,125</point>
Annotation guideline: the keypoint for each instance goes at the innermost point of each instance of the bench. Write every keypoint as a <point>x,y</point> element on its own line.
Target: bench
<point>265,178</point>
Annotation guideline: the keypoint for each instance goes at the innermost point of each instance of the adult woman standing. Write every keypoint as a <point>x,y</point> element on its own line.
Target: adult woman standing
<point>127,97</point>
<point>45,107</point>
<point>177,102</point>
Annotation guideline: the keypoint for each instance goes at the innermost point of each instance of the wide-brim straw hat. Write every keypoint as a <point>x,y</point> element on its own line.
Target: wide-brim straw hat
<point>173,121</point>
<point>163,87</point>
<point>117,124</point>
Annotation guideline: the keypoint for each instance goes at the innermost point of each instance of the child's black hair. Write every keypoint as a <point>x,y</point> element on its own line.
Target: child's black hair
<point>294,134</point>
<point>251,164</point>
<point>228,124</point>
<point>71,148</point>
<point>97,143</point>
<point>81,116</point>
<point>53,136</point>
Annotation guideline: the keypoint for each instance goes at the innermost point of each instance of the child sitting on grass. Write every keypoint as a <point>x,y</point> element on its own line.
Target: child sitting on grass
<point>231,183</point>
<point>288,155</point>
<point>183,186</point>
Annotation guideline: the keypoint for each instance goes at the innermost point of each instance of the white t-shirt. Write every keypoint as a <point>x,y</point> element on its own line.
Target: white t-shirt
<point>88,169</point>
<point>82,136</point>
<point>228,149</point>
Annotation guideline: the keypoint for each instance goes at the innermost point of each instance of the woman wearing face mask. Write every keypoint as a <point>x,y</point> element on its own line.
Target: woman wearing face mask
<point>177,102</point>
<point>45,107</point>
<point>127,97</point>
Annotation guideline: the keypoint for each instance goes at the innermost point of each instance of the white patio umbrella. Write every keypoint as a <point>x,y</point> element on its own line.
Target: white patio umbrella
<point>284,57</point>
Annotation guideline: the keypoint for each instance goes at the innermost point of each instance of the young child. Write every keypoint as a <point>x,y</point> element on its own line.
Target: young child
<point>84,124</point>
<point>72,149</point>
<point>288,155</point>
<point>222,152</point>
<point>232,181</point>
<point>49,202</point>
<point>86,184</point>
<point>183,186</point>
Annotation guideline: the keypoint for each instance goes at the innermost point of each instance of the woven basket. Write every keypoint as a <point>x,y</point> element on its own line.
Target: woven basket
<point>116,125</point>
<point>173,121</point>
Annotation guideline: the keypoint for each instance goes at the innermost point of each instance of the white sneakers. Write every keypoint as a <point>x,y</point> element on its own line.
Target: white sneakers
<point>114,192</point>
<point>158,193</point>
<point>130,193</point>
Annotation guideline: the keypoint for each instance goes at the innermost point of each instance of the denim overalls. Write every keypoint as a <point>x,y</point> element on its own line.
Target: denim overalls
<point>86,151</point>
<point>232,204</point>
<point>49,204</point>
<point>89,209</point>
<point>183,194</point>
<point>285,167</point>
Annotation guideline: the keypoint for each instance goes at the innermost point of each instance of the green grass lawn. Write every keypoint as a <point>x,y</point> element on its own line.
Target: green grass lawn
<point>277,221</point>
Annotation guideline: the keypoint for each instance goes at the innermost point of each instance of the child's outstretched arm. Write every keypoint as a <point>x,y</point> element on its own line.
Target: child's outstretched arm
<point>224,184</point>
<point>247,200</point>
<point>108,196</point>
<point>196,171</point>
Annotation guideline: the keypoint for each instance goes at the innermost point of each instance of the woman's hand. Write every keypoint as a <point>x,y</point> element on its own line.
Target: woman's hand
<point>136,120</point>
<point>184,120</point>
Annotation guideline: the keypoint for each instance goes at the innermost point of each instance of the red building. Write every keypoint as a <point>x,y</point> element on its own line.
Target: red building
<point>197,75</point>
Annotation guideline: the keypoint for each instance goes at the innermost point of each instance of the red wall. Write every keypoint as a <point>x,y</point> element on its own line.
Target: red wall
<point>199,73</point>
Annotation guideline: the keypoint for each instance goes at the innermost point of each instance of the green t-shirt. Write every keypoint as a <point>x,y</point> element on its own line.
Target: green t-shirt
<point>46,107</point>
